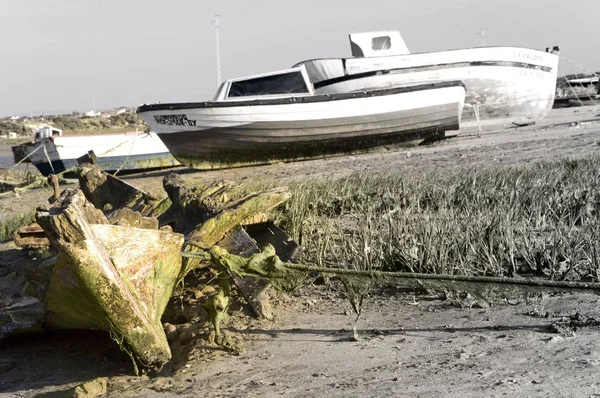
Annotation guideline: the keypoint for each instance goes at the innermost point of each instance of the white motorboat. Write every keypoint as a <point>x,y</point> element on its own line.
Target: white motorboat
<point>504,84</point>
<point>278,117</point>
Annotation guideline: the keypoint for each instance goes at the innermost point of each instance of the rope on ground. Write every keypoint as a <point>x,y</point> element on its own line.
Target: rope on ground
<point>39,180</point>
<point>386,275</point>
<point>450,278</point>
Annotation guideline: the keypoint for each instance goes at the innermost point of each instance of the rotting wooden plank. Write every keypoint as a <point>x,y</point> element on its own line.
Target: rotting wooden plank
<point>121,283</point>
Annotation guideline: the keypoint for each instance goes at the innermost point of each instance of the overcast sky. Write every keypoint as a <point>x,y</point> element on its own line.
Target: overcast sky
<point>57,56</point>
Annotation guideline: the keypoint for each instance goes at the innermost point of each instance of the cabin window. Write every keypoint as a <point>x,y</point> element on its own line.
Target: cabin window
<point>381,43</point>
<point>286,83</point>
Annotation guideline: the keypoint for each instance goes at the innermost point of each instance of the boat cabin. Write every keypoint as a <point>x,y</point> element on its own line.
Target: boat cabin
<point>47,132</point>
<point>377,44</point>
<point>292,82</point>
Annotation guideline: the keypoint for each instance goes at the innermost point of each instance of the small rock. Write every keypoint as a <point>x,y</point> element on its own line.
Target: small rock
<point>555,339</point>
<point>161,384</point>
<point>169,328</point>
<point>464,355</point>
<point>90,389</point>
<point>171,332</point>
<point>186,336</point>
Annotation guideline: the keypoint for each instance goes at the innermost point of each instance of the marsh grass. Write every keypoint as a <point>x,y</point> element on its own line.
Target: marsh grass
<point>14,141</point>
<point>9,225</point>
<point>540,220</point>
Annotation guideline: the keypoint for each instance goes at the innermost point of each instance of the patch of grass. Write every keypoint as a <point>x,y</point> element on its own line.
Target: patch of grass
<point>15,141</point>
<point>541,219</point>
<point>9,225</point>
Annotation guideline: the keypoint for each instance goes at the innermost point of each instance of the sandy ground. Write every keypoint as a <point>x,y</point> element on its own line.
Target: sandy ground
<point>411,344</point>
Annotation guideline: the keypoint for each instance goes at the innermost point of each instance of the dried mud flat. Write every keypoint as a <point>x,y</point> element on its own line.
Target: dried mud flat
<point>411,344</point>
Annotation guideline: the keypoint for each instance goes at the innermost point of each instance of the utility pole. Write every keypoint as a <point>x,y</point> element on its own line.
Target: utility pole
<point>217,24</point>
<point>482,34</point>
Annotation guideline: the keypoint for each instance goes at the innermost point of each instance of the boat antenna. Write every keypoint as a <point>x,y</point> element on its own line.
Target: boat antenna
<point>217,24</point>
<point>482,34</point>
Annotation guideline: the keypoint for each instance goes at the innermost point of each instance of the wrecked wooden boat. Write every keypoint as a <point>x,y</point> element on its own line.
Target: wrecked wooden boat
<point>51,152</point>
<point>504,84</point>
<point>100,278</point>
<point>115,269</point>
<point>278,117</point>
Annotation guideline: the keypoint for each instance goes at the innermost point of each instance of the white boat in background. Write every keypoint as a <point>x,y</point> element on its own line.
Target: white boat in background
<point>504,84</point>
<point>53,153</point>
<point>277,117</point>
<point>21,152</point>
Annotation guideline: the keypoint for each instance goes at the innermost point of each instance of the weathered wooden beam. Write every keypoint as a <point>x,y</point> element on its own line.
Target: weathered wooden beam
<point>195,204</point>
<point>107,192</point>
<point>104,279</point>
<point>215,228</point>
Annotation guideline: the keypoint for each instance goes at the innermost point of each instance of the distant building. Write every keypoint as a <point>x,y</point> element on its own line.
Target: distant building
<point>14,118</point>
<point>92,113</point>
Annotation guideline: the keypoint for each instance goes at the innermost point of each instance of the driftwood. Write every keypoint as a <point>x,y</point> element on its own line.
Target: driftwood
<point>103,279</point>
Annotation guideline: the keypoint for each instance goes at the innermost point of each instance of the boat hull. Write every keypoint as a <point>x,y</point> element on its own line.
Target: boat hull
<point>218,137</point>
<point>128,151</point>
<point>20,153</point>
<point>504,84</point>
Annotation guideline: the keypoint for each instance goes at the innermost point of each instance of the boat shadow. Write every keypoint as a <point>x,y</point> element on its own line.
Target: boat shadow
<point>59,358</point>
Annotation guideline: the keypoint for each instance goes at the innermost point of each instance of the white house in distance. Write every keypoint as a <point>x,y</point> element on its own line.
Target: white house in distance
<point>92,113</point>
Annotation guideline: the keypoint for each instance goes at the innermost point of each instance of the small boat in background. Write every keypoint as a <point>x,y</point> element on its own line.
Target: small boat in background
<point>577,90</point>
<point>504,84</point>
<point>20,152</point>
<point>277,117</point>
<point>53,153</point>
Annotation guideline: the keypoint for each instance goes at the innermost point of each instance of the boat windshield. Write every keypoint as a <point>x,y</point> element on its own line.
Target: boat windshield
<point>286,83</point>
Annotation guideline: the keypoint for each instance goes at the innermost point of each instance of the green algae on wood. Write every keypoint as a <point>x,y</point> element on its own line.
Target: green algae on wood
<point>125,282</point>
<point>215,228</point>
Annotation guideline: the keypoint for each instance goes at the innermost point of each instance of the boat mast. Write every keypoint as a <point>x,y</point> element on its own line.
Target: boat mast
<point>217,24</point>
<point>482,34</point>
